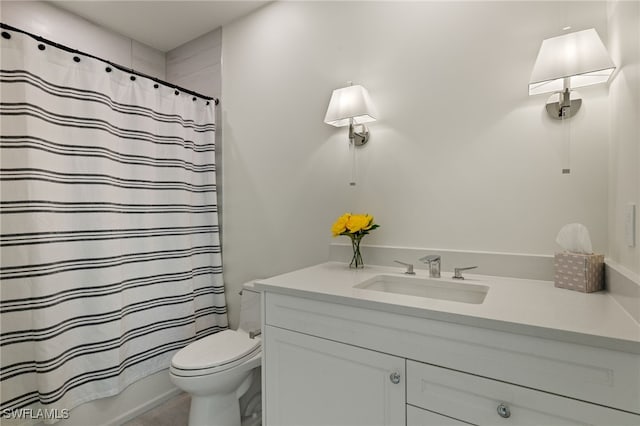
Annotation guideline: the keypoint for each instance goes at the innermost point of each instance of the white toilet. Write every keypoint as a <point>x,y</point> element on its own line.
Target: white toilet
<point>217,370</point>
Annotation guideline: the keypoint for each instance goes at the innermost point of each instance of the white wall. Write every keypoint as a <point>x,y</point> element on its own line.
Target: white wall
<point>461,158</point>
<point>624,96</point>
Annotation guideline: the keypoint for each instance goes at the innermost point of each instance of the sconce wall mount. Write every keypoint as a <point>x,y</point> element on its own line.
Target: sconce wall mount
<point>358,138</point>
<point>563,105</point>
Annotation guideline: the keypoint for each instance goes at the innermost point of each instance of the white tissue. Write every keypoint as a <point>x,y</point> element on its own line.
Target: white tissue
<point>574,238</point>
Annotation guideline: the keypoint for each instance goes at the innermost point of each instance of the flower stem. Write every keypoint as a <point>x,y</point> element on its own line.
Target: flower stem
<point>356,260</point>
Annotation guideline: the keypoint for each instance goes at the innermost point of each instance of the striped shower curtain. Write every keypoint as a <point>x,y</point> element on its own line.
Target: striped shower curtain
<point>110,248</point>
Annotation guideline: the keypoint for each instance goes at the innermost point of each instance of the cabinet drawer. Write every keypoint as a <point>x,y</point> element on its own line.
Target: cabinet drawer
<point>476,400</point>
<point>419,417</point>
<point>601,376</point>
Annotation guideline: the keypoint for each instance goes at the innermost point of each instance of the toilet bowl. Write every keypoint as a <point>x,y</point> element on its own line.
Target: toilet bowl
<point>217,370</point>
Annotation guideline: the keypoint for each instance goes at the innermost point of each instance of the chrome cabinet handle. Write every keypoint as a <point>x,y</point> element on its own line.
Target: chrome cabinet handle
<point>395,377</point>
<point>504,411</point>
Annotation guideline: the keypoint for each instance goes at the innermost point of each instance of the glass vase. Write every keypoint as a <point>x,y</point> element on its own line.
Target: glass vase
<point>356,260</point>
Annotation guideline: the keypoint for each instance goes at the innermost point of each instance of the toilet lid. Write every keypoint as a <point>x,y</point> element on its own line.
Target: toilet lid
<point>215,350</point>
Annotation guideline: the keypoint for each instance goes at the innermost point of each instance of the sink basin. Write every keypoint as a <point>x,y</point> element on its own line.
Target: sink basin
<point>430,288</point>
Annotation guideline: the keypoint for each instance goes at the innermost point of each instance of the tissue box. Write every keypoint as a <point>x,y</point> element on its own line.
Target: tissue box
<point>580,272</point>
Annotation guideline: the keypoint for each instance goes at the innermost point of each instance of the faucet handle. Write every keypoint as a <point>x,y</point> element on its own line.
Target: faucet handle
<point>409,266</point>
<point>457,272</point>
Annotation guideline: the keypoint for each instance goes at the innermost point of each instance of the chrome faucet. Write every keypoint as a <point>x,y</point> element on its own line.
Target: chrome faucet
<point>434,265</point>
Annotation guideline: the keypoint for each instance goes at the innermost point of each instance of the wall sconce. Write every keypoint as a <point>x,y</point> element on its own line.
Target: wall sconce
<point>351,106</point>
<point>565,62</point>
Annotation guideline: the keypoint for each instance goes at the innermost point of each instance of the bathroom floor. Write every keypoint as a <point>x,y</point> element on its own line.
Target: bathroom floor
<point>174,412</point>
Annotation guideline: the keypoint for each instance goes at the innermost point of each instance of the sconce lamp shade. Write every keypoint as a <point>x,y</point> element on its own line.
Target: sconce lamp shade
<point>351,102</point>
<point>579,57</point>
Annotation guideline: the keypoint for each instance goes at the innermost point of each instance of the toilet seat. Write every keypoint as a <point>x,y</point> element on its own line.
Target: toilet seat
<point>215,353</point>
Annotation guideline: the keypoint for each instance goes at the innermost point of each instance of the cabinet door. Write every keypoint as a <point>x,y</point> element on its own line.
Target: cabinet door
<point>483,401</point>
<point>313,381</point>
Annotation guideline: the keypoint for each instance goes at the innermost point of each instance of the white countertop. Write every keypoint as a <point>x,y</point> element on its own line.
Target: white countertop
<point>530,307</point>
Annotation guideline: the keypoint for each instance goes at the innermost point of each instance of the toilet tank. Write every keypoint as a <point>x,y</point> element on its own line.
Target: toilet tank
<point>250,318</point>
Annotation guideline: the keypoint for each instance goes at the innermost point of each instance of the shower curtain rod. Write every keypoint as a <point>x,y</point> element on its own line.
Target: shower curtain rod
<point>118,66</point>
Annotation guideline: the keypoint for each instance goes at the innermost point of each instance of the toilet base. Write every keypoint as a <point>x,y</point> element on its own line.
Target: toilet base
<point>219,409</point>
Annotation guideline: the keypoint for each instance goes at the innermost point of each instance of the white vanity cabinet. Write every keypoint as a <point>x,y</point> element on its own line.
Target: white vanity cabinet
<point>331,363</point>
<point>314,381</point>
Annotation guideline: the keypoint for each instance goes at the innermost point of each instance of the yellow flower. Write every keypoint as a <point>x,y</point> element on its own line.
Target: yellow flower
<point>353,225</point>
<point>340,225</point>
<point>359,222</point>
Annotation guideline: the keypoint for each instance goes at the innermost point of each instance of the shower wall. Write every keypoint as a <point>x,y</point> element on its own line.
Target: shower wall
<point>196,64</point>
<point>63,27</point>
<point>54,24</point>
